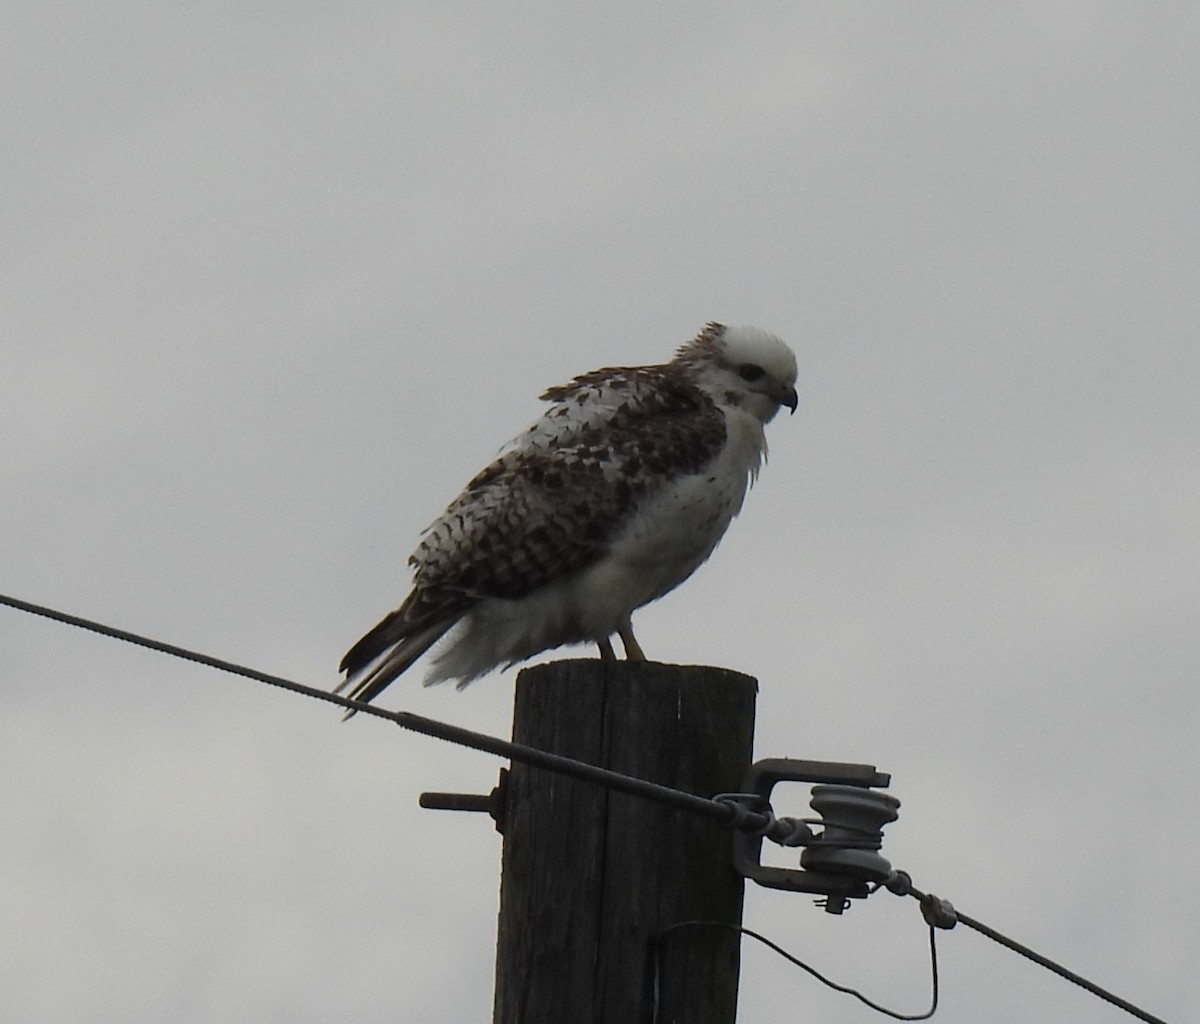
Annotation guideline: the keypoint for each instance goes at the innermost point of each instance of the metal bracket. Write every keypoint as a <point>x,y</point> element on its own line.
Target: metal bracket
<point>840,862</point>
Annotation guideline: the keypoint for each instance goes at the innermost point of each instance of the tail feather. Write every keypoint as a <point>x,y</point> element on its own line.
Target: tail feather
<point>395,643</point>
<point>395,662</point>
<point>387,633</point>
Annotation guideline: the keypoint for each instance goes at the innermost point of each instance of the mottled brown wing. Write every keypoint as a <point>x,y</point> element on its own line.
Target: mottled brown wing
<point>549,505</point>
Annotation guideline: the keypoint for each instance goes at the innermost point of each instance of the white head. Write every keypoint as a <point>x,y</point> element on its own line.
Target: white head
<point>742,366</point>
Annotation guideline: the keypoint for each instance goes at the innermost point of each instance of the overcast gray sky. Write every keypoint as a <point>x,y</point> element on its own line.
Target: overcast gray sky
<point>278,278</point>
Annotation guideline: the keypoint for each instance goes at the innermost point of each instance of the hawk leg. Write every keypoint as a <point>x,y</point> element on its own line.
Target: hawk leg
<point>633,650</point>
<point>606,649</point>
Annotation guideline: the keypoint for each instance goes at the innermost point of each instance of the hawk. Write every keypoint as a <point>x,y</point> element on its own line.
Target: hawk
<point>614,497</point>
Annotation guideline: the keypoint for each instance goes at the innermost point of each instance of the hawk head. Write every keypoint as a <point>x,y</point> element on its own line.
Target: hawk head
<point>742,366</point>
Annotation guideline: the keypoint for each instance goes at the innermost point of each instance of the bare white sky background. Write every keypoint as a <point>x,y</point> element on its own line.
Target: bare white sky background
<point>278,278</point>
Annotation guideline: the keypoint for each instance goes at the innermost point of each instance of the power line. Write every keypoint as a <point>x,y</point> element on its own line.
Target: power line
<point>938,912</point>
<point>723,812</point>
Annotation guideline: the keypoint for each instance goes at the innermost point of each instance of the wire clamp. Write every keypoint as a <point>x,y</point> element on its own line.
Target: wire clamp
<point>938,913</point>
<point>752,814</point>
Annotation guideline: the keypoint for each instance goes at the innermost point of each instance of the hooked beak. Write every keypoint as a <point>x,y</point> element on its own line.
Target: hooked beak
<point>790,399</point>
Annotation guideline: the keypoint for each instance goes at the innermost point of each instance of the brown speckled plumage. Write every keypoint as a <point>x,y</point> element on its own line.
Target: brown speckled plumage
<point>541,511</point>
<point>552,504</point>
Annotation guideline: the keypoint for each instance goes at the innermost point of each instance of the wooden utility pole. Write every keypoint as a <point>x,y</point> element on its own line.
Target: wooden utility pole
<point>592,877</point>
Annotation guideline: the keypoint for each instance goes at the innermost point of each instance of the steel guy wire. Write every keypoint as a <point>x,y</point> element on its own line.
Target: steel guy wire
<point>721,811</point>
<point>938,913</point>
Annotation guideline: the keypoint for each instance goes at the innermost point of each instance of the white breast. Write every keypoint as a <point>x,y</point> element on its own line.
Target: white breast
<point>674,530</point>
<point>669,536</point>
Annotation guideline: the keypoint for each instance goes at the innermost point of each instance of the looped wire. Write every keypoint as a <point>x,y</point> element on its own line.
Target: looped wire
<point>871,839</point>
<point>782,831</point>
<point>790,832</point>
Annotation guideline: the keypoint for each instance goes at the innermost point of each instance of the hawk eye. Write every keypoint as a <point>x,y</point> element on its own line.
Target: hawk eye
<point>750,371</point>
